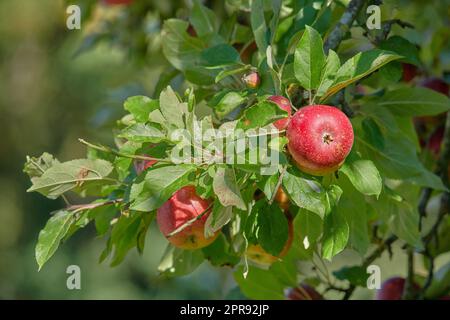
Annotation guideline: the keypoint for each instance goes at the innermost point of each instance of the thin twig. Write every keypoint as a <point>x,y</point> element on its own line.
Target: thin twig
<point>190,222</point>
<point>90,206</point>
<point>343,26</point>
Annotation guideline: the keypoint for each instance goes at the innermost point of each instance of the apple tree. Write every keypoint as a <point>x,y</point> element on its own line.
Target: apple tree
<point>280,134</point>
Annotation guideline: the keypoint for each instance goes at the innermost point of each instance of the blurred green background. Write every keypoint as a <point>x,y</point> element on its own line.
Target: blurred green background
<point>48,99</point>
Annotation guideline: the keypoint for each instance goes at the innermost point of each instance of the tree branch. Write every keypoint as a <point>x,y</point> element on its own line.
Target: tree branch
<point>343,26</point>
<point>190,222</point>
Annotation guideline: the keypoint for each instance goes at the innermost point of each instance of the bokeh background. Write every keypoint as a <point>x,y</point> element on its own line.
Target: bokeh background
<point>51,94</point>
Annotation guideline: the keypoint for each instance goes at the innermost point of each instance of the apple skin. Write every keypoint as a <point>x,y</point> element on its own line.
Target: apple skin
<point>409,72</point>
<point>256,253</point>
<point>303,292</point>
<point>284,104</point>
<point>320,138</point>
<point>252,80</point>
<point>183,206</point>
<point>392,289</point>
<point>435,84</point>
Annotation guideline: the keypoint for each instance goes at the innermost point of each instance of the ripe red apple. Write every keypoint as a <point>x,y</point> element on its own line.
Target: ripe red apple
<point>258,255</point>
<point>303,292</point>
<point>182,207</point>
<point>409,72</point>
<point>320,138</point>
<point>284,104</point>
<point>392,289</point>
<point>114,2</point>
<point>252,80</point>
<point>435,84</point>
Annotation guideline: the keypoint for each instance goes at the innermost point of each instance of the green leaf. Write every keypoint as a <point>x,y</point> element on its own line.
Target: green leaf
<point>259,284</point>
<point>363,174</point>
<point>140,107</point>
<point>356,275</point>
<point>62,177</point>
<point>358,67</point>
<point>177,262</point>
<point>353,207</point>
<point>35,167</point>
<point>219,56</point>
<point>396,156</point>
<point>402,47</point>
<point>227,103</point>
<point>306,194</point>
<point>332,65</point>
<point>260,115</point>
<point>151,190</point>
<point>229,72</point>
<point>219,217</point>
<point>414,102</point>
<point>52,234</point>
<point>179,47</point>
<point>220,253</point>
<point>309,59</point>
<point>140,132</point>
<point>203,19</point>
<point>273,229</point>
<point>226,189</point>
<point>259,26</point>
<point>171,108</point>
<point>308,227</point>
<point>401,218</point>
<point>335,234</point>
<point>125,234</point>
<point>103,217</point>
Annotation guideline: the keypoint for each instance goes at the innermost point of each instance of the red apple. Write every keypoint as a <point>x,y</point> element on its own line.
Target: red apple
<point>320,138</point>
<point>409,72</point>
<point>182,207</point>
<point>392,289</point>
<point>284,104</point>
<point>258,255</point>
<point>251,80</point>
<point>303,292</point>
<point>435,84</point>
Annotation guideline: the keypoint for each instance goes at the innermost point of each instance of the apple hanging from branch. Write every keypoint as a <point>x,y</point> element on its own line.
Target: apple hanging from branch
<point>185,207</point>
<point>320,138</point>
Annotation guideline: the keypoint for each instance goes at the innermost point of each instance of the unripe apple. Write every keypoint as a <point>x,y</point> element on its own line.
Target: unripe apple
<point>284,104</point>
<point>182,207</point>
<point>114,2</point>
<point>303,292</point>
<point>252,80</point>
<point>258,255</point>
<point>409,72</point>
<point>392,289</point>
<point>320,138</point>
<point>435,84</point>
